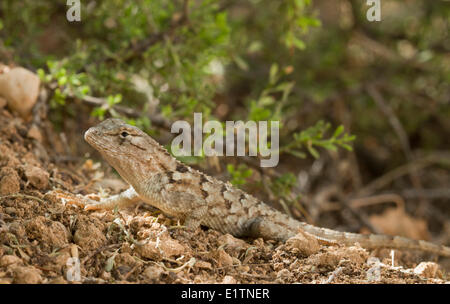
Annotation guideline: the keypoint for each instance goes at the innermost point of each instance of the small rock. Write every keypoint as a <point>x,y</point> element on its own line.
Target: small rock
<point>105,276</point>
<point>37,177</point>
<point>10,182</point>
<point>10,210</point>
<point>283,273</point>
<point>60,261</point>
<point>27,275</point>
<point>229,280</point>
<point>232,242</point>
<point>302,243</point>
<point>8,260</point>
<point>20,88</point>
<point>427,270</point>
<point>335,255</point>
<point>126,259</point>
<point>153,272</point>
<point>2,102</point>
<point>17,227</point>
<point>88,235</point>
<point>34,133</point>
<point>167,247</point>
<point>122,270</point>
<point>51,233</point>
<point>224,258</point>
<point>203,265</point>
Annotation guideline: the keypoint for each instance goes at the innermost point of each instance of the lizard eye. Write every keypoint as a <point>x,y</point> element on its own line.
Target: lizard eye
<point>124,134</point>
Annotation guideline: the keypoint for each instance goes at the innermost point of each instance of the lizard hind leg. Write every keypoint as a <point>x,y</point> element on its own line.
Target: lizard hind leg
<point>260,227</point>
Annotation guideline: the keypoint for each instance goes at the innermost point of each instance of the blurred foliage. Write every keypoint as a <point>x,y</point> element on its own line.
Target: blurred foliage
<point>239,174</point>
<point>304,63</point>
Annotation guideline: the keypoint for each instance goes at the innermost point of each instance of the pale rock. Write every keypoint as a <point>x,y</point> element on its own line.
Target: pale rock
<point>20,87</point>
<point>303,243</point>
<point>229,280</point>
<point>37,176</point>
<point>27,275</point>
<point>427,270</point>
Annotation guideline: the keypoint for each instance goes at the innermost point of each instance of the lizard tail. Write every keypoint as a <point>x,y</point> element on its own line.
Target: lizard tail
<point>374,240</point>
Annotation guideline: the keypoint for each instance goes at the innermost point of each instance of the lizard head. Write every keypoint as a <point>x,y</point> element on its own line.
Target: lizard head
<point>133,153</point>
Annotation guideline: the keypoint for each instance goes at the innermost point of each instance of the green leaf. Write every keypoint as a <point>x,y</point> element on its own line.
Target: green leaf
<point>338,131</point>
<point>313,151</point>
<point>299,43</point>
<point>110,263</point>
<point>297,153</point>
<point>241,63</point>
<point>273,73</point>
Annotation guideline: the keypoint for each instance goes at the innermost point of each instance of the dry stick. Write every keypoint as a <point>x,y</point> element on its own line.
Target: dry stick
<point>18,195</point>
<point>111,246</point>
<point>418,164</point>
<point>428,193</point>
<point>401,134</point>
<point>368,201</point>
<point>361,216</point>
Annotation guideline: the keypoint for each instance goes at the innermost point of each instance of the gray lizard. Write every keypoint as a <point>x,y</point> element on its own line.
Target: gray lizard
<point>160,180</point>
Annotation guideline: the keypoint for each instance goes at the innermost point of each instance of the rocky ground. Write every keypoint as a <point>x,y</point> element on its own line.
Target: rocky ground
<point>44,235</point>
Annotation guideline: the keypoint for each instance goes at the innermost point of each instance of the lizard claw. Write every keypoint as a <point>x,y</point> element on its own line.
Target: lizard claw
<point>92,207</point>
<point>89,202</point>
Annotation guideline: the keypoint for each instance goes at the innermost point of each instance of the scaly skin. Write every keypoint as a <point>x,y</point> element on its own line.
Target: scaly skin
<point>160,180</point>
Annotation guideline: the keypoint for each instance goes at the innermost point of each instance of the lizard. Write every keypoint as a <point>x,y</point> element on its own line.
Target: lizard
<point>159,179</point>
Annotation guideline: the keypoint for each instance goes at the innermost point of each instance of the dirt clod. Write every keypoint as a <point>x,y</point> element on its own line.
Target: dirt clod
<point>37,177</point>
<point>27,275</point>
<point>9,181</point>
<point>89,234</point>
<point>153,272</point>
<point>428,270</point>
<point>303,243</point>
<point>48,232</point>
<point>8,260</point>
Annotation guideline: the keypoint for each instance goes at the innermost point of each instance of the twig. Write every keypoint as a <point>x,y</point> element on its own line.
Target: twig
<point>402,170</point>
<point>401,134</point>
<point>428,193</point>
<point>18,195</point>
<point>156,119</point>
<point>359,215</point>
<point>256,276</point>
<point>98,251</point>
<point>393,120</point>
<point>188,264</point>
<point>369,201</point>
<point>333,275</point>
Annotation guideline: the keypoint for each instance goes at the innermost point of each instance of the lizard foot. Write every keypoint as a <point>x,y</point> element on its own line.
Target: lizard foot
<point>87,202</point>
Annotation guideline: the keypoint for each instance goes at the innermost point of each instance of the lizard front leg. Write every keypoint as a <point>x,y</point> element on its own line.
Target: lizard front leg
<point>121,200</point>
<point>195,218</point>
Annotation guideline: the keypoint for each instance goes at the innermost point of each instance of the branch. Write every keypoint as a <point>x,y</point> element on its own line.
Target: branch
<point>156,119</point>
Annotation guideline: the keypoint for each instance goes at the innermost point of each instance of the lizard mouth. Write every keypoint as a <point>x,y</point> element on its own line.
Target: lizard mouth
<point>89,136</point>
